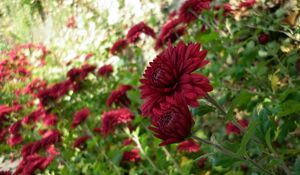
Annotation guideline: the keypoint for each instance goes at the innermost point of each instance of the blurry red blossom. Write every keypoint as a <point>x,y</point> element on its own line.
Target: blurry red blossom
<point>201,162</point>
<point>118,46</point>
<point>14,139</point>
<point>80,141</point>
<point>133,34</point>
<point>247,3</point>
<point>190,9</point>
<point>119,96</point>
<point>71,23</point>
<point>79,117</point>
<point>105,70</point>
<point>170,32</point>
<point>111,119</point>
<point>50,120</point>
<point>263,38</point>
<point>127,142</point>
<point>88,56</point>
<point>79,74</point>
<point>5,173</point>
<point>172,71</point>
<point>232,129</point>
<point>189,146</point>
<point>132,156</point>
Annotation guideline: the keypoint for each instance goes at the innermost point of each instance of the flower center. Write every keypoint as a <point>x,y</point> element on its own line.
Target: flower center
<point>166,119</point>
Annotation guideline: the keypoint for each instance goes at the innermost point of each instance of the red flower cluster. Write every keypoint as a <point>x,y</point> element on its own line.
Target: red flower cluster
<point>79,117</point>
<point>170,32</point>
<point>105,70</point>
<point>79,74</point>
<point>263,38</point>
<point>132,156</point>
<point>118,46</point>
<point>247,3</point>
<point>80,141</point>
<point>14,131</point>
<point>190,9</point>
<point>111,119</point>
<point>232,129</point>
<point>172,72</point>
<point>134,33</point>
<point>189,146</point>
<point>119,96</point>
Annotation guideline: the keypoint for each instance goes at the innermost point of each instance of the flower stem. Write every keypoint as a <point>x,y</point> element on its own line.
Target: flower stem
<point>173,160</point>
<point>230,153</point>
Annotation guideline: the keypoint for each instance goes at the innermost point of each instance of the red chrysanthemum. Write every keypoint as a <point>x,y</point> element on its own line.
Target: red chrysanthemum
<point>172,122</point>
<point>232,129</point>
<point>172,72</point>
<point>170,32</point>
<point>247,3</point>
<point>14,139</point>
<point>118,46</point>
<point>133,34</point>
<point>78,143</point>
<point>79,117</point>
<point>201,162</point>
<point>190,9</point>
<point>50,120</point>
<point>119,96</point>
<point>131,156</point>
<point>111,119</point>
<point>105,70</point>
<point>79,74</point>
<point>189,146</point>
<point>263,38</point>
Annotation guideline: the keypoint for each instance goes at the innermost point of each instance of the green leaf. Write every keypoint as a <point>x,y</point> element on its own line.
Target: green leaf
<point>202,110</point>
<point>296,170</point>
<point>242,99</point>
<point>268,140</point>
<point>247,136</point>
<point>289,107</point>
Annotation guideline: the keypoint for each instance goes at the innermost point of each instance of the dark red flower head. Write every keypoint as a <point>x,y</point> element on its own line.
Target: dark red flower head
<point>172,122</point>
<point>247,3</point>
<point>263,38</point>
<point>172,72</point>
<point>118,46</point>
<point>190,9</point>
<point>5,173</point>
<point>232,129</point>
<point>105,70</point>
<point>111,119</point>
<point>119,96</point>
<point>170,32</point>
<point>189,146</point>
<point>131,156</point>
<point>133,34</point>
<point>78,143</point>
<point>79,117</point>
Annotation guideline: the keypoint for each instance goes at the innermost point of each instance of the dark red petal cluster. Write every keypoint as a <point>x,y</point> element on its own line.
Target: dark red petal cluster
<point>247,3</point>
<point>201,162</point>
<point>172,122</point>
<point>35,86</point>
<point>134,33</point>
<point>189,146</point>
<point>118,46</point>
<point>119,96</point>
<point>80,141</point>
<point>5,173</point>
<point>263,38</point>
<point>14,131</point>
<point>49,138</point>
<point>111,119</point>
<point>190,9</point>
<point>232,129</point>
<point>170,32</point>
<point>50,120</point>
<point>79,74</point>
<point>79,117</point>
<point>172,72</point>
<point>105,70</point>
<point>132,156</point>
